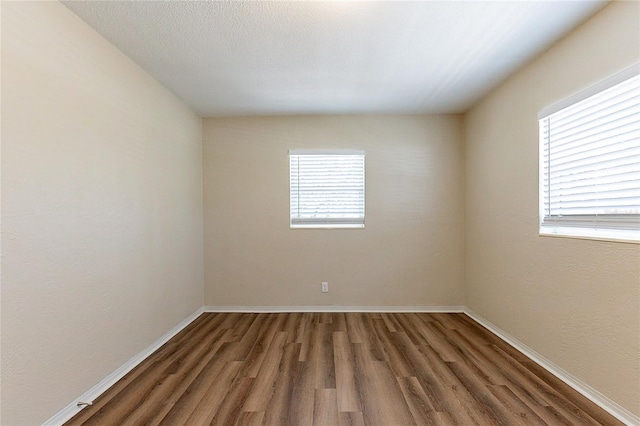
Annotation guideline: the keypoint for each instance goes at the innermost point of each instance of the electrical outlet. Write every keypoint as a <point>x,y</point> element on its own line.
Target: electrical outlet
<point>325,287</point>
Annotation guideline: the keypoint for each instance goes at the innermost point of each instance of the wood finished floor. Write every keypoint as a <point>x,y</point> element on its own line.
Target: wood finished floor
<point>339,369</point>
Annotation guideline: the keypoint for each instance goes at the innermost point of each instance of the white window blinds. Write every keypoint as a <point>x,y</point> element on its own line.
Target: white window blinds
<point>590,164</point>
<point>326,189</point>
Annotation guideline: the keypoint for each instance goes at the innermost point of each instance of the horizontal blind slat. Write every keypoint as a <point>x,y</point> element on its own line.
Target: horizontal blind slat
<point>626,124</point>
<point>598,109</point>
<point>594,124</point>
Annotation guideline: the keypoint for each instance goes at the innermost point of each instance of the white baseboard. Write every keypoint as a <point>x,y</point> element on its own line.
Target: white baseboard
<point>592,394</point>
<point>616,410</point>
<point>72,409</point>
<point>334,308</point>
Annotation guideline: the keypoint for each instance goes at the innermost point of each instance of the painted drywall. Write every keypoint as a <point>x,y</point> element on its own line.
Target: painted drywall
<point>101,210</point>
<point>576,302</point>
<point>409,253</point>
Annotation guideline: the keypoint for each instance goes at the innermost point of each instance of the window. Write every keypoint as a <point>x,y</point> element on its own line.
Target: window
<point>326,189</point>
<point>590,162</point>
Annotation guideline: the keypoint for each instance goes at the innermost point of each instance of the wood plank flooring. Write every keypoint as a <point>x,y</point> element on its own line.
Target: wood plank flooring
<point>339,369</point>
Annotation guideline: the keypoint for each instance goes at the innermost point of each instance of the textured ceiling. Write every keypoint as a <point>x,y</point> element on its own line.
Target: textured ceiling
<point>246,58</point>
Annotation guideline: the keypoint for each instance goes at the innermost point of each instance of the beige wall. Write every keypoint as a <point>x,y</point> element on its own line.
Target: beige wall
<point>101,210</point>
<point>577,302</point>
<point>410,252</point>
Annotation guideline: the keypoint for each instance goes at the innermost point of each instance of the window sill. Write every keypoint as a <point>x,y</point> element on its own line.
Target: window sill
<point>327,226</point>
<point>612,235</point>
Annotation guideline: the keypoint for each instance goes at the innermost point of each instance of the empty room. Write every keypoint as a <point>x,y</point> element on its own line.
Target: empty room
<point>320,213</point>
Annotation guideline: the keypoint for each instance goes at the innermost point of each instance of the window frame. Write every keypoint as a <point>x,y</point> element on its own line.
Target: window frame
<point>329,223</point>
<point>604,227</point>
